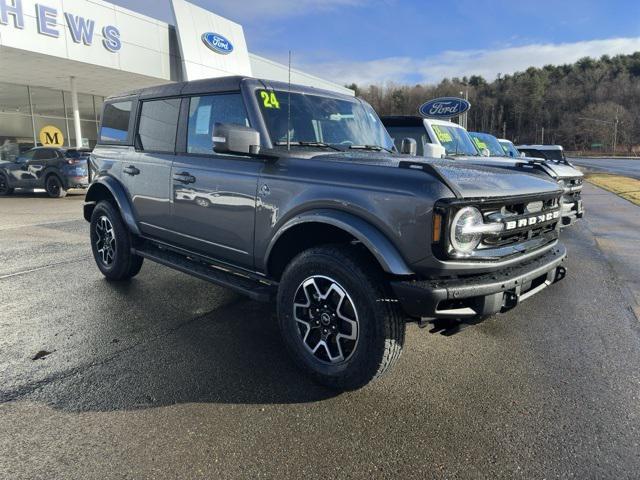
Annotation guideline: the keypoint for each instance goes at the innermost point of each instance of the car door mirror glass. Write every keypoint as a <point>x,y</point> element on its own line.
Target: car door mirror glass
<point>231,138</point>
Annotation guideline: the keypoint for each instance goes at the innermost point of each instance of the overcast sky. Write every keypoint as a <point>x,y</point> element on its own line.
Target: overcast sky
<point>371,41</point>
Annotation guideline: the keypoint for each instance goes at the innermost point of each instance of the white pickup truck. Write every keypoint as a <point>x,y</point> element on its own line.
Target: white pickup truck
<point>443,138</point>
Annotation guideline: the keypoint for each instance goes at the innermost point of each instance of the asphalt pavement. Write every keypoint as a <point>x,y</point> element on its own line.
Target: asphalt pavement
<point>629,167</point>
<point>167,376</point>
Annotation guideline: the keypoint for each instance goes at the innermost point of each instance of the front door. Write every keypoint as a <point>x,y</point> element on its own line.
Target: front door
<point>214,195</point>
<point>19,170</point>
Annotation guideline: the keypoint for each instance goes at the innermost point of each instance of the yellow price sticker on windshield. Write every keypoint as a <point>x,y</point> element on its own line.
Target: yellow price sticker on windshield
<point>269,99</point>
<point>479,143</point>
<point>443,135</point>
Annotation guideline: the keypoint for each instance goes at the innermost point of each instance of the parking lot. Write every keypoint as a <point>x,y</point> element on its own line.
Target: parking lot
<point>167,376</point>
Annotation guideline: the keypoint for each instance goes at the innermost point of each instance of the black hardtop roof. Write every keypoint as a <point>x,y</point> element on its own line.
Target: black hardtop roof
<point>401,120</point>
<point>217,85</point>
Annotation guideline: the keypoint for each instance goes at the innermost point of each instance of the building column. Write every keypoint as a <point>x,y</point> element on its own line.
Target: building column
<point>76,113</point>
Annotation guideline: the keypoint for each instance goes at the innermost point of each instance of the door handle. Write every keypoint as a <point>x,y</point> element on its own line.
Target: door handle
<point>184,177</point>
<point>131,170</point>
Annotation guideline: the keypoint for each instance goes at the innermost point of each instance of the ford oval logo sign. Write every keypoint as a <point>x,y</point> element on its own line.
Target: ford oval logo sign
<point>446,107</point>
<point>217,43</point>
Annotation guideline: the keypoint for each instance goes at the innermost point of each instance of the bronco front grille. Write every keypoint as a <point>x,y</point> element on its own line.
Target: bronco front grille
<point>542,210</point>
<point>529,222</point>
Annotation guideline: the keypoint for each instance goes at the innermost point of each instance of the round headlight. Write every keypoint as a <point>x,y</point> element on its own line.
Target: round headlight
<point>465,235</point>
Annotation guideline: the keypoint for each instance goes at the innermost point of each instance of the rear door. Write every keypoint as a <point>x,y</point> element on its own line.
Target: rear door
<point>146,172</point>
<point>214,195</point>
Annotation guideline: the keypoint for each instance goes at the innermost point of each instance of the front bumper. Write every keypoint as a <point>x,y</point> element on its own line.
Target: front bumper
<point>571,211</point>
<point>480,295</point>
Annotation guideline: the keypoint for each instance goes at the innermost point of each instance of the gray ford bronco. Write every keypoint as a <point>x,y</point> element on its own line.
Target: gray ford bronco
<point>296,194</point>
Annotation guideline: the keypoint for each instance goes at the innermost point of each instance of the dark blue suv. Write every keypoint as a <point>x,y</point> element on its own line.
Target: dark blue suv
<point>52,168</point>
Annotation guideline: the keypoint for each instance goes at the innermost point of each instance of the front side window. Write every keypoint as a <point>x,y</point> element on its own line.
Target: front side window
<point>205,112</point>
<point>509,148</point>
<point>115,122</point>
<point>158,125</point>
<point>455,140</point>
<point>342,123</point>
<point>28,155</point>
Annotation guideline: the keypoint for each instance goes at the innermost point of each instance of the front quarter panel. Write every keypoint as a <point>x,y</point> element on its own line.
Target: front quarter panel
<point>396,202</point>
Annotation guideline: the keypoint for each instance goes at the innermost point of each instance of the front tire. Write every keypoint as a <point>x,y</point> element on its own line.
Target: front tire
<point>5,189</point>
<point>111,244</point>
<point>337,317</point>
<point>53,186</point>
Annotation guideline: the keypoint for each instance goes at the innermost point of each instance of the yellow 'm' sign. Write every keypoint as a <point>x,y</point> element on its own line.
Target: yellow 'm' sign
<point>51,136</point>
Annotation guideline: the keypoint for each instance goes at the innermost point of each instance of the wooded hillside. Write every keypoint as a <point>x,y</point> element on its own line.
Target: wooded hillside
<point>576,104</point>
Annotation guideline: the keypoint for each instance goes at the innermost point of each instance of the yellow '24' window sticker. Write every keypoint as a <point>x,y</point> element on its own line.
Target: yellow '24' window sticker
<point>269,99</point>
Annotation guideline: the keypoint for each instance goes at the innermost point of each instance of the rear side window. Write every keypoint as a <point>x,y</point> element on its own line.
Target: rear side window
<point>115,122</point>
<point>44,154</point>
<point>158,125</point>
<point>205,112</point>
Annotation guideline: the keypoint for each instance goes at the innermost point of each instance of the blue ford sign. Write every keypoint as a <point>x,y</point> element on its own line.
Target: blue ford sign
<point>217,43</point>
<point>446,107</point>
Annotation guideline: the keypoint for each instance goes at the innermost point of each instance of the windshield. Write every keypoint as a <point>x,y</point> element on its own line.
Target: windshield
<point>509,149</point>
<point>455,140</point>
<point>321,120</point>
<point>484,140</point>
<point>418,133</point>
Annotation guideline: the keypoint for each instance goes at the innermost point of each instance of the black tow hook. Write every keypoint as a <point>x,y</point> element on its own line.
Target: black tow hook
<point>561,272</point>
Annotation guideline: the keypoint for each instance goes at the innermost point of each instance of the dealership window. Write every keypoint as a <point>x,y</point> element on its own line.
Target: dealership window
<point>16,126</point>
<point>48,103</point>
<point>205,112</point>
<point>14,99</point>
<point>20,130</point>
<point>158,125</point>
<point>85,106</point>
<point>115,124</point>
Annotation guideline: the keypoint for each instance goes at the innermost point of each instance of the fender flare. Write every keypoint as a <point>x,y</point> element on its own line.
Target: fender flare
<point>371,237</point>
<point>118,193</point>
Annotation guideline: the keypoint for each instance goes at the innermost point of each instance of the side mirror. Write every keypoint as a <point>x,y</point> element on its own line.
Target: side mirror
<point>409,146</point>
<point>485,152</point>
<point>522,154</point>
<point>434,150</point>
<point>231,138</point>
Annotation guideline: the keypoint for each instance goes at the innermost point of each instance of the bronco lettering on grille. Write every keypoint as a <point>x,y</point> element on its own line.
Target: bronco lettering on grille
<point>532,220</point>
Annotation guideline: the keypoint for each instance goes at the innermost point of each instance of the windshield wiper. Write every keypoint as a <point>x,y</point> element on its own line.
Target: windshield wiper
<point>310,144</point>
<point>376,148</point>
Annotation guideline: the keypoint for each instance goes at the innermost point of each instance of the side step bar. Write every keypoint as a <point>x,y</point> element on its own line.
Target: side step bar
<point>254,289</point>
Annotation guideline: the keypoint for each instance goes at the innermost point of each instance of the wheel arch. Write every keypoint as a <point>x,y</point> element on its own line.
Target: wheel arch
<point>319,227</point>
<point>108,188</point>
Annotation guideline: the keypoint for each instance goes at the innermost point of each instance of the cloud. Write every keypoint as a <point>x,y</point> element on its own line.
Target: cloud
<point>488,63</point>
<point>256,9</point>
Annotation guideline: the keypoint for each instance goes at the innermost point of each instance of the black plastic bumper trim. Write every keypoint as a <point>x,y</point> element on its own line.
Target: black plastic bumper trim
<point>489,293</point>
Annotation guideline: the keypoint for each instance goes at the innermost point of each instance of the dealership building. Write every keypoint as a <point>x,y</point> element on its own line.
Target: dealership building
<point>59,59</point>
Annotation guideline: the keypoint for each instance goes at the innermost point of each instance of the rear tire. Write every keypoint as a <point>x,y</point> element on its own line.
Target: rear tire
<point>4,186</point>
<point>338,318</point>
<point>53,186</point>
<point>111,244</point>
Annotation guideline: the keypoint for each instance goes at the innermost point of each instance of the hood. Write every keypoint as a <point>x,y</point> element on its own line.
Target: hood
<point>555,170</point>
<point>467,180</point>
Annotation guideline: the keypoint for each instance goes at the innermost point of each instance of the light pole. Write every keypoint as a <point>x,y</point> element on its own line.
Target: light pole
<point>463,119</point>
